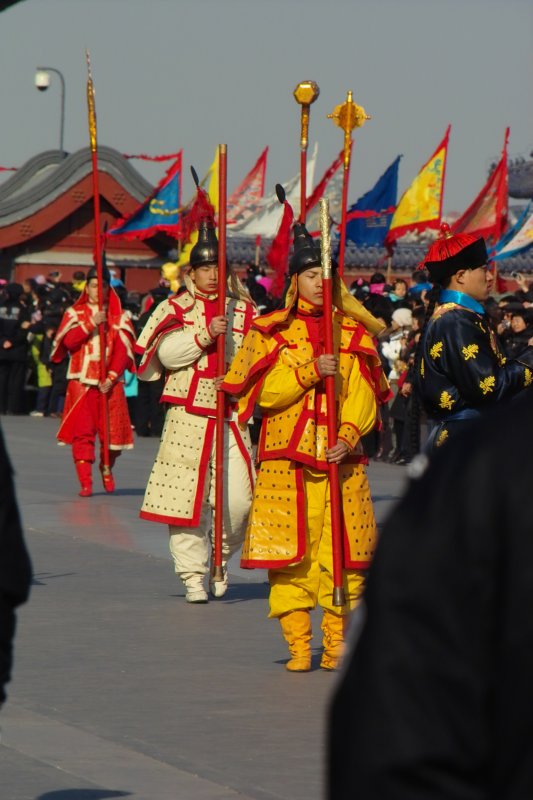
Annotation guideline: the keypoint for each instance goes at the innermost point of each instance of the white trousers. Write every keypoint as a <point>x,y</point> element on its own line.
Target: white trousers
<point>189,547</point>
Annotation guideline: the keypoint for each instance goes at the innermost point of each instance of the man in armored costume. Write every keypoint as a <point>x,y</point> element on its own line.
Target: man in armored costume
<point>281,367</point>
<point>179,341</point>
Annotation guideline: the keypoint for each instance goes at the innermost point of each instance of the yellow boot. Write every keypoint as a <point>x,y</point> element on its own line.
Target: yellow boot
<point>333,627</point>
<point>296,627</point>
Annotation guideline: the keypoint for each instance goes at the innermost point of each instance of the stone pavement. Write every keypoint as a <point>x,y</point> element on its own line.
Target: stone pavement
<point>120,688</point>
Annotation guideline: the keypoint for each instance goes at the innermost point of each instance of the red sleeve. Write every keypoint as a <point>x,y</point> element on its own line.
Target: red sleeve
<point>74,338</point>
<point>402,378</point>
<point>119,359</point>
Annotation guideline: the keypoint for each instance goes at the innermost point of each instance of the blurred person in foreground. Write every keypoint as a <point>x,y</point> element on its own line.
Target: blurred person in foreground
<point>436,700</point>
<point>83,419</point>
<point>15,567</point>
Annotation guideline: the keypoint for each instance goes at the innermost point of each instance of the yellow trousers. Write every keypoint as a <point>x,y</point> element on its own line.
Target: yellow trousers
<point>303,585</point>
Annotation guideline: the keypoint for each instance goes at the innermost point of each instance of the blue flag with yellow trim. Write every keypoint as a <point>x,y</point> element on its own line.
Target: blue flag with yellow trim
<point>159,212</point>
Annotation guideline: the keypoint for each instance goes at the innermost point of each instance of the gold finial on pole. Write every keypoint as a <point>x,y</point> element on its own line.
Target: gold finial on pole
<point>348,116</point>
<point>305,93</point>
<point>91,107</point>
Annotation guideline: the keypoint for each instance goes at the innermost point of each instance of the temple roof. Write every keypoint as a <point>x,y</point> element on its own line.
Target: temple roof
<point>47,176</point>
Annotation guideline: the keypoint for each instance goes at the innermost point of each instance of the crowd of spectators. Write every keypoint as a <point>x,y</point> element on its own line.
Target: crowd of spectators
<point>30,314</point>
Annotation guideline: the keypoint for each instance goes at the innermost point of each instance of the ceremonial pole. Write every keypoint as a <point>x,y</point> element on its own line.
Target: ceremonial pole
<point>339,598</point>
<point>347,116</point>
<point>304,94</point>
<point>218,575</point>
<point>99,265</point>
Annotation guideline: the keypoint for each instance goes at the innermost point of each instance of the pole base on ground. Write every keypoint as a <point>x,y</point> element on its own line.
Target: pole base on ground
<point>218,575</point>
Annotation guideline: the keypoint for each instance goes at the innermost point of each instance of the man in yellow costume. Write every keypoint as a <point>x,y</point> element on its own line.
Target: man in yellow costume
<point>281,367</point>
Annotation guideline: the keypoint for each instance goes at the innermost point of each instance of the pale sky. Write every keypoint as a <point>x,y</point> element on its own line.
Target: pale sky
<point>191,74</point>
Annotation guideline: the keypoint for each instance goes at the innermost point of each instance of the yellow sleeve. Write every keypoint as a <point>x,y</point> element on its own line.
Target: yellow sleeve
<point>284,384</point>
<point>359,411</point>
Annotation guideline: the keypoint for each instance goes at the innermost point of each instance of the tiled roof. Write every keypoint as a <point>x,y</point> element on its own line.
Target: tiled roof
<point>48,175</point>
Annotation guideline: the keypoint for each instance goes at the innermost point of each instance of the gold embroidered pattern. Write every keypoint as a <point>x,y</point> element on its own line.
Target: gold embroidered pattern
<point>436,350</point>
<point>441,438</point>
<point>423,368</point>
<point>446,400</point>
<point>528,376</point>
<point>502,359</point>
<point>487,384</point>
<point>470,351</point>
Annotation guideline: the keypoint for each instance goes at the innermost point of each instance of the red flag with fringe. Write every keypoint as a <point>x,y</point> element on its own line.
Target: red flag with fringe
<point>487,215</point>
<point>248,192</point>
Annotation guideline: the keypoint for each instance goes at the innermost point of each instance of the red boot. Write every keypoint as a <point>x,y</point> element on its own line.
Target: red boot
<point>107,478</point>
<point>85,477</point>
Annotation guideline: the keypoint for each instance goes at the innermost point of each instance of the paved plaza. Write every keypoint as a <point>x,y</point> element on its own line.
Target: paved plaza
<point>120,688</point>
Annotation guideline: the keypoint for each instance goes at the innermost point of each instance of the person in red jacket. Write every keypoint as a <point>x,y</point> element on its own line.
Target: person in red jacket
<point>83,416</point>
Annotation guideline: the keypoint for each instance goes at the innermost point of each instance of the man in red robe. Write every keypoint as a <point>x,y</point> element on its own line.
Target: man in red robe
<point>88,390</point>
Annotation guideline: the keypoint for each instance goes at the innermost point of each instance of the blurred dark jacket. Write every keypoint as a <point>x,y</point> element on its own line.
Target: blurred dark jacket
<point>436,702</point>
<point>15,567</point>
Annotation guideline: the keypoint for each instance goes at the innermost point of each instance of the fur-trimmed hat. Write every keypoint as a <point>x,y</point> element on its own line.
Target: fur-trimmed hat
<point>452,252</point>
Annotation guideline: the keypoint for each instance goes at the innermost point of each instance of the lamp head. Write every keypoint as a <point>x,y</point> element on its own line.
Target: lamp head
<point>42,80</point>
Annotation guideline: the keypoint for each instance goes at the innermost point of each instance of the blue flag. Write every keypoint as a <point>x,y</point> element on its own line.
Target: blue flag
<point>369,218</point>
<point>159,212</point>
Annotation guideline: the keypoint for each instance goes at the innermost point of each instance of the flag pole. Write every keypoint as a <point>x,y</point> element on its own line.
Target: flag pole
<point>339,598</point>
<point>99,264</point>
<point>258,238</point>
<point>347,116</point>
<point>305,93</point>
<point>218,575</point>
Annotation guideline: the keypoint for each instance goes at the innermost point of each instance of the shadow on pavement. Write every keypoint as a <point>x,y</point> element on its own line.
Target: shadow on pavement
<point>82,794</point>
<point>237,593</point>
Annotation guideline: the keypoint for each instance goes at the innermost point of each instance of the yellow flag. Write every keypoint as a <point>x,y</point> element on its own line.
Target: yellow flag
<point>211,179</point>
<point>420,206</point>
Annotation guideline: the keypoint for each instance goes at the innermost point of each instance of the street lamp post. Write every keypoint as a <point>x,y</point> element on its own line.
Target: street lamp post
<point>42,82</point>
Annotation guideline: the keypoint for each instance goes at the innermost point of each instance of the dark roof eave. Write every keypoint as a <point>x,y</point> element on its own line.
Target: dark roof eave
<point>68,172</point>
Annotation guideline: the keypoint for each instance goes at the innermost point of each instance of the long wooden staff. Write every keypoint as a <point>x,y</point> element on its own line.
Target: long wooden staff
<point>218,575</point>
<point>99,264</point>
<point>339,598</point>
<point>347,116</point>
<point>305,93</point>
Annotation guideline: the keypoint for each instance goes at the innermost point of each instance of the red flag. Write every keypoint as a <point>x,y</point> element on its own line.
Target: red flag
<point>249,191</point>
<point>278,255</point>
<point>320,188</point>
<point>487,215</point>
